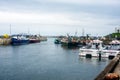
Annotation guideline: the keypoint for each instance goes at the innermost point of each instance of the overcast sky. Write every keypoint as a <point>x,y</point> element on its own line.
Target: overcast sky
<point>59,17</point>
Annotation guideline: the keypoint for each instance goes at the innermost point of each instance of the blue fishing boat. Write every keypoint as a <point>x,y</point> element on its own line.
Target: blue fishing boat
<point>19,40</point>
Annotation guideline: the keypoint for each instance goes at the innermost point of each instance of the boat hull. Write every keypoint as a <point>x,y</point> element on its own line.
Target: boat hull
<point>70,43</point>
<point>34,41</point>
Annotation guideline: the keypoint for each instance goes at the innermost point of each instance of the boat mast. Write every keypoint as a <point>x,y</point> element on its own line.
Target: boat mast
<point>83,32</point>
<point>75,33</point>
<point>10,29</point>
<point>28,30</point>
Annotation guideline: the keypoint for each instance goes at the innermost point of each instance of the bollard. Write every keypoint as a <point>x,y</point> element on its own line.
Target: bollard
<point>111,76</point>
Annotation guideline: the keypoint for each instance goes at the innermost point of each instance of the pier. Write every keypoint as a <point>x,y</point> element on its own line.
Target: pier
<point>111,70</point>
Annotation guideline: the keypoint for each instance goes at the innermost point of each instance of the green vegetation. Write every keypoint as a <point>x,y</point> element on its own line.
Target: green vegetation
<point>113,36</point>
<point>116,35</point>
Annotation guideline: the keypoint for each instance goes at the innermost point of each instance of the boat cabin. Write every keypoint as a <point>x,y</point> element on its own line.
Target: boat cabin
<point>114,45</point>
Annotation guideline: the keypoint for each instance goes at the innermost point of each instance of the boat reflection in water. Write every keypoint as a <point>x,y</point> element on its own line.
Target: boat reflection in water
<point>94,61</point>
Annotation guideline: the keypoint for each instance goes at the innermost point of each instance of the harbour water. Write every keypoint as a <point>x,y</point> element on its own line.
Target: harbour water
<point>47,61</point>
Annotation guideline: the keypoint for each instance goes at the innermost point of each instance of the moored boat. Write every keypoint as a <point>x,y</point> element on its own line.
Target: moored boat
<point>69,41</point>
<point>92,50</point>
<point>112,49</point>
<point>19,40</point>
<point>57,41</point>
<point>34,38</point>
<point>97,50</point>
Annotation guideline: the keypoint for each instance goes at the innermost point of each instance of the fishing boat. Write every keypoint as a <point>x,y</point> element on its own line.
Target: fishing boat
<point>97,49</point>
<point>112,49</point>
<point>19,40</point>
<point>70,41</point>
<point>92,49</point>
<point>34,39</point>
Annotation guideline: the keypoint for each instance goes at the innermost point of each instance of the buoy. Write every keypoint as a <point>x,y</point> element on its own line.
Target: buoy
<point>6,36</point>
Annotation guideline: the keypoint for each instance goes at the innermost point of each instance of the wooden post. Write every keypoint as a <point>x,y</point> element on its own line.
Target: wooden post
<point>99,55</point>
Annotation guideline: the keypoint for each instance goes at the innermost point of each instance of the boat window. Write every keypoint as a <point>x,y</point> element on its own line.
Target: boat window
<point>113,47</point>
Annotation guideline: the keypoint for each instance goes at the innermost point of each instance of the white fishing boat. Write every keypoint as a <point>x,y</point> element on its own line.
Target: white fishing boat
<point>92,50</point>
<point>97,50</point>
<point>112,50</point>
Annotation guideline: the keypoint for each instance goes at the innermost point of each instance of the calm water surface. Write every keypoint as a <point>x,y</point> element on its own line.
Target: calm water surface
<point>46,61</point>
